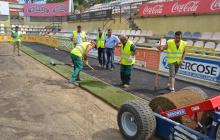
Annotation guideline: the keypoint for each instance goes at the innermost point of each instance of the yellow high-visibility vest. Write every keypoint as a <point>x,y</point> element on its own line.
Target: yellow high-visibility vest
<point>126,54</point>
<point>16,36</point>
<point>101,41</point>
<point>83,36</point>
<point>174,54</point>
<point>80,49</point>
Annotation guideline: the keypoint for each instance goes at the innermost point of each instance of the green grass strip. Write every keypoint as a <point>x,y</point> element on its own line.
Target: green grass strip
<point>108,93</point>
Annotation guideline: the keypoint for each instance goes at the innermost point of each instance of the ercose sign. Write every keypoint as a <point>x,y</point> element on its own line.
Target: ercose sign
<point>196,67</point>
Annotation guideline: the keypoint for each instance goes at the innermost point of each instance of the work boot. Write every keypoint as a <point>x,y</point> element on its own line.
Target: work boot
<point>125,86</point>
<point>74,82</point>
<point>171,89</point>
<point>78,80</point>
<point>121,84</point>
<point>168,86</point>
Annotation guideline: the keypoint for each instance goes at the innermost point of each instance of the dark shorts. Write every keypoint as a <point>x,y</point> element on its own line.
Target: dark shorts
<point>173,69</point>
<point>17,43</point>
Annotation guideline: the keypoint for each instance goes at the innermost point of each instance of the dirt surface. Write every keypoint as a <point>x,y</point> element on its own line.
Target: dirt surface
<point>142,82</point>
<point>38,104</point>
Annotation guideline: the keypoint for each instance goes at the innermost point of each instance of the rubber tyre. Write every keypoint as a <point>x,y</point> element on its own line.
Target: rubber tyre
<point>144,118</point>
<point>197,90</point>
<point>218,133</point>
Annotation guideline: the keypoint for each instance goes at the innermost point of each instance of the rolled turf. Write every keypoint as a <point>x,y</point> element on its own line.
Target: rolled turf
<point>176,100</point>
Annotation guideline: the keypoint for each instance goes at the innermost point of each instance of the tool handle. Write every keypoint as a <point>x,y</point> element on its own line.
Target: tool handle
<point>156,84</point>
<point>90,67</point>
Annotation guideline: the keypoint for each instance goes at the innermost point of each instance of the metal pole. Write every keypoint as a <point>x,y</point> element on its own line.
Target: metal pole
<point>120,13</point>
<point>114,13</point>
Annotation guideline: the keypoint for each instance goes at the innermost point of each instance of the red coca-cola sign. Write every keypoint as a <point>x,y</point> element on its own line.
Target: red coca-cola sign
<point>45,10</point>
<point>157,9</point>
<point>215,5</point>
<point>180,7</point>
<point>190,6</point>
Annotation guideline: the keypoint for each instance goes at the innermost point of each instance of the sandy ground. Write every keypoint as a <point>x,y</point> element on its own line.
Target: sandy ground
<point>37,104</point>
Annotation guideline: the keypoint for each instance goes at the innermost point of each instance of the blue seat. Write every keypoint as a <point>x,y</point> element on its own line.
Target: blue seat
<point>196,35</point>
<point>187,35</point>
<point>170,34</point>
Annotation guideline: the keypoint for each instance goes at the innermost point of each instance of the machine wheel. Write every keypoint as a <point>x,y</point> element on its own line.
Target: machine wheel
<point>136,120</point>
<point>196,90</point>
<point>218,133</point>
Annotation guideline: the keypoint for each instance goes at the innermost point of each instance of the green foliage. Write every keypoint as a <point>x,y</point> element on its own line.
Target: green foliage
<point>82,4</point>
<point>54,1</point>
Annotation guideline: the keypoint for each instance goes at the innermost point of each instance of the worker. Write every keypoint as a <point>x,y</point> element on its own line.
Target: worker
<point>101,47</point>
<point>78,55</point>
<point>175,55</point>
<point>79,36</point>
<point>16,39</point>
<point>111,41</point>
<point>128,50</point>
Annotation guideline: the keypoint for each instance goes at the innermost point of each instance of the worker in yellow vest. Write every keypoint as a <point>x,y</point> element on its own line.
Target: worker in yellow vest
<point>175,55</point>
<point>79,36</point>
<point>128,51</point>
<point>79,54</point>
<point>100,41</point>
<point>16,39</point>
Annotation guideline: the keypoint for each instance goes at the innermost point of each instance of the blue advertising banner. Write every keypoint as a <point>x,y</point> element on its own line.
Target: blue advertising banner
<point>196,67</point>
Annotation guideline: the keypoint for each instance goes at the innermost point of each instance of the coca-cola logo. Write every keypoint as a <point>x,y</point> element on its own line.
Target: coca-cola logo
<point>38,9</point>
<point>59,8</point>
<point>190,6</point>
<point>157,9</point>
<point>215,5</point>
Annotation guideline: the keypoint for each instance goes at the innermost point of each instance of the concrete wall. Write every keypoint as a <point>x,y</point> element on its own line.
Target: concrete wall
<point>28,22</point>
<point>5,20</point>
<point>92,25</point>
<point>161,25</point>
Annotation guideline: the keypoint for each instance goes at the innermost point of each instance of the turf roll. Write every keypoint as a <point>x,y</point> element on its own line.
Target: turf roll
<point>176,100</point>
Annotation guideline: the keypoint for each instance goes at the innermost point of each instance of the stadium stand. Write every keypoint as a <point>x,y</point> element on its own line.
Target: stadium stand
<point>189,42</point>
<point>2,29</point>
<point>207,35</point>
<point>187,35</point>
<point>196,35</point>
<point>141,38</point>
<point>170,34</point>
<point>136,39</point>
<point>210,45</point>
<point>217,49</point>
<point>138,32</point>
<point>199,44</point>
<point>216,36</point>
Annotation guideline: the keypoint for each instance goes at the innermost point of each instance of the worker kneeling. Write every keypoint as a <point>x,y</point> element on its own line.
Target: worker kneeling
<point>128,50</point>
<point>79,55</point>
